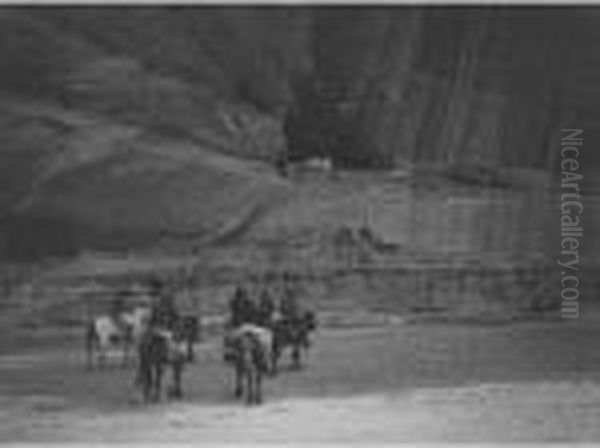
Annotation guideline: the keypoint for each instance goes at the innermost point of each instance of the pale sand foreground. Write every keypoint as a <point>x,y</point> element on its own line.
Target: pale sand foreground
<point>561,411</point>
<point>531,382</point>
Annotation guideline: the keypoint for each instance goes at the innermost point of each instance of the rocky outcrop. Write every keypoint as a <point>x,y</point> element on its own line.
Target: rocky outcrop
<point>435,85</point>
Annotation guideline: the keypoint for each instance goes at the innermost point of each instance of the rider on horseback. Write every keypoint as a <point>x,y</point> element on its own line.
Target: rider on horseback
<point>246,318</point>
<point>241,308</point>
<point>164,314</point>
<point>289,305</point>
<point>266,307</point>
<point>161,341</point>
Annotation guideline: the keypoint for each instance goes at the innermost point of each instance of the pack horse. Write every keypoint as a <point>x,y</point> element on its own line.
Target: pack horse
<point>119,333</point>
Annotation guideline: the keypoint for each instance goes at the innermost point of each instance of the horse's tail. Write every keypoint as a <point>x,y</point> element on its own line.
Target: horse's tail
<point>143,368</point>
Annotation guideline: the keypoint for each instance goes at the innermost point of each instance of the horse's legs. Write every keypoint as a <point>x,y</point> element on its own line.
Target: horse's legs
<point>158,372</point>
<point>249,377</point>
<point>296,356</point>
<point>147,387</point>
<point>239,390</point>
<point>138,379</point>
<point>275,353</point>
<point>258,387</point>
<point>146,380</point>
<point>177,367</point>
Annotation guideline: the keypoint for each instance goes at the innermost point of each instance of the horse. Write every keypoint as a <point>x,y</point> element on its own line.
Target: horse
<point>159,348</point>
<point>294,333</point>
<point>109,331</point>
<point>246,350</point>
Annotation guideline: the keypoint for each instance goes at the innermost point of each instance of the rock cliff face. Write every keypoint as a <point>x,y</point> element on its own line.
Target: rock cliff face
<point>487,85</point>
<point>122,124</point>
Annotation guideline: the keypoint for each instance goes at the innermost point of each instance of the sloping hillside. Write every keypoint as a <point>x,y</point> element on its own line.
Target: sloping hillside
<point>117,123</point>
<point>119,185</point>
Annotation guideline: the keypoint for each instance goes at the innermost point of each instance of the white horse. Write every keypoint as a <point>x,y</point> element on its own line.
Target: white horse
<point>247,350</point>
<point>105,333</point>
<point>263,335</point>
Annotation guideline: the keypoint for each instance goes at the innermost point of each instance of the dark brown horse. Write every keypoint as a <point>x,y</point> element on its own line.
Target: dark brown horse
<point>292,333</point>
<point>159,349</point>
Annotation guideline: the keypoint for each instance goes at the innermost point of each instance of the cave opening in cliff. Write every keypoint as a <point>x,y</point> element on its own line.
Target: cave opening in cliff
<point>435,85</point>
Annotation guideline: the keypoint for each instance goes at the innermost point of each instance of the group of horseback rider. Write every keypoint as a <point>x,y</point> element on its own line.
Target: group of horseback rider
<point>263,310</point>
<point>263,318</point>
<point>243,308</point>
<point>259,312</point>
<point>167,336</point>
